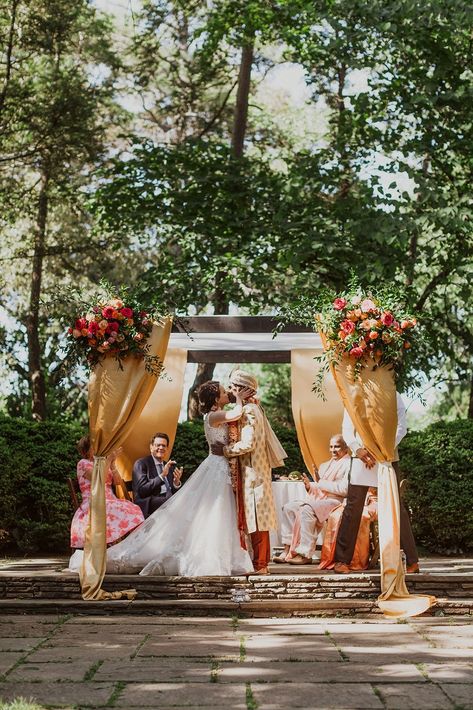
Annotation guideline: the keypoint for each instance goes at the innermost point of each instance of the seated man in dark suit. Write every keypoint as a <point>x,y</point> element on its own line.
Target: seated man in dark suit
<point>154,479</point>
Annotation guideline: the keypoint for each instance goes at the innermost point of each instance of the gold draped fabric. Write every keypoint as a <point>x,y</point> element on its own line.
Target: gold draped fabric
<point>316,420</point>
<point>370,400</point>
<point>116,400</point>
<point>160,413</point>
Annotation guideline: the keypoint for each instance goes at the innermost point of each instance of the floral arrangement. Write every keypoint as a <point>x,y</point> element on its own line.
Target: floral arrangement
<point>370,329</point>
<point>113,327</point>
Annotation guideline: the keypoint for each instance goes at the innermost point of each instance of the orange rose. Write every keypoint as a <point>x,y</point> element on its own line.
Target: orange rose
<point>404,324</point>
<point>407,345</point>
<point>341,335</point>
<point>373,335</point>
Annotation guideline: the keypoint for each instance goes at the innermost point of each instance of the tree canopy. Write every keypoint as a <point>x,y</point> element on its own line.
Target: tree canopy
<point>172,152</point>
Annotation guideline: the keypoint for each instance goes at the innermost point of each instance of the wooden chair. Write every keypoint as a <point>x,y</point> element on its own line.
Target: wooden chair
<point>124,486</point>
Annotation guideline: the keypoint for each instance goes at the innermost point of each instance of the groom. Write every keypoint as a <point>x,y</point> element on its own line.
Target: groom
<point>258,450</point>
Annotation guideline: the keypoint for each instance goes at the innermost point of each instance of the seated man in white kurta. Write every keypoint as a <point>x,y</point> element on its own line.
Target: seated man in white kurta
<point>301,521</point>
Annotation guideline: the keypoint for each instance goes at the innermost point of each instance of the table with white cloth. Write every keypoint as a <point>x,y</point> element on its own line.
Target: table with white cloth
<point>284,492</point>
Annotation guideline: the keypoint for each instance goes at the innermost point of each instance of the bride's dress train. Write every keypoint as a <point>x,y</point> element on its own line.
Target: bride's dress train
<point>194,533</point>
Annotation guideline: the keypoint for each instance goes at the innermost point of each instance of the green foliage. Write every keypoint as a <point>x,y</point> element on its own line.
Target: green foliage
<point>437,465</point>
<point>35,509</point>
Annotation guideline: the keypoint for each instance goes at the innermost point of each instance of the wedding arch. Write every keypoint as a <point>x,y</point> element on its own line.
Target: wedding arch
<point>129,405</point>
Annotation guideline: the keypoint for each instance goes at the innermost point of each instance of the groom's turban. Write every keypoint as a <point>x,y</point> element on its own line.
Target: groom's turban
<point>243,379</point>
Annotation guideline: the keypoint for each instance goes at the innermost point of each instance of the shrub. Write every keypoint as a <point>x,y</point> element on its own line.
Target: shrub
<point>438,465</point>
<point>35,508</point>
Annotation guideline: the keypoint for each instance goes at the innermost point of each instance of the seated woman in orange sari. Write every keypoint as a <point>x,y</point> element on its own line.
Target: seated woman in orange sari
<point>361,554</point>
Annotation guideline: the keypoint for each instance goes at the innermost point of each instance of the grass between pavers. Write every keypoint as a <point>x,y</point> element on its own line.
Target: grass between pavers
<point>379,695</point>
<point>117,691</point>
<point>21,704</point>
<point>214,669</point>
<point>89,674</point>
<point>140,646</point>
<point>343,655</point>
<point>251,703</point>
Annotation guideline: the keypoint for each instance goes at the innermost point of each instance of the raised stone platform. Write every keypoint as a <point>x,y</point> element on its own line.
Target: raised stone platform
<point>43,585</point>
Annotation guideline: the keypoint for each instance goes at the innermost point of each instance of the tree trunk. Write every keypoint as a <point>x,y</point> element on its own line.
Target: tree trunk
<point>205,370</point>
<point>470,404</point>
<point>9,53</point>
<point>219,299</point>
<point>241,108</point>
<point>35,368</point>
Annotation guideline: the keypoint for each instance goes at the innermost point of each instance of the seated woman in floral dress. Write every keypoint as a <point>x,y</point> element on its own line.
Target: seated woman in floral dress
<point>122,515</point>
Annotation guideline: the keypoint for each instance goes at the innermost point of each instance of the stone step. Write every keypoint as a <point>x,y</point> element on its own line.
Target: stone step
<point>316,587</point>
<point>205,607</point>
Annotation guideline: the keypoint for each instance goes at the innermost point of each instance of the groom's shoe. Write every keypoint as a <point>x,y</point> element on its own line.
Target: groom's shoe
<point>262,570</point>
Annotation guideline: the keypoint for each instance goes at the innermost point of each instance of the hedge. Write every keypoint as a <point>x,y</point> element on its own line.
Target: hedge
<point>438,464</point>
<point>37,458</point>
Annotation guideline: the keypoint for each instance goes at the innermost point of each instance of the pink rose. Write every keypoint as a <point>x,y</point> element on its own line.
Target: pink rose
<point>126,312</point>
<point>347,326</point>
<point>93,327</point>
<point>367,305</point>
<point>112,327</point>
<point>387,318</point>
<point>107,312</point>
<point>356,352</point>
<point>339,304</point>
<point>76,333</point>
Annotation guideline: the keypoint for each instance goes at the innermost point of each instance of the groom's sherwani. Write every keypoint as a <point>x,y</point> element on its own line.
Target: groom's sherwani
<point>256,470</point>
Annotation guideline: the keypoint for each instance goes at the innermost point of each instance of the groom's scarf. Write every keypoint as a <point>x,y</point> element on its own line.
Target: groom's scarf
<point>234,431</point>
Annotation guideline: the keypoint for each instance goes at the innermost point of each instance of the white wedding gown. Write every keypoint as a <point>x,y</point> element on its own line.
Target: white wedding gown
<point>192,534</point>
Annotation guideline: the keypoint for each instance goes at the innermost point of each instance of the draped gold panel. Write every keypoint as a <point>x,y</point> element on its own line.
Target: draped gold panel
<point>371,403</point>
<point>316,420</point>
<point>161,412</point>
<point>117,397</point>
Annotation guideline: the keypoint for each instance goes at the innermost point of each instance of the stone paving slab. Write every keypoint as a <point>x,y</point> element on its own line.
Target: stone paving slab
<point>78,653</point>
<point>281,696</point>
<point>23,629</point>
<point>416,696</point>
<point>11,643</point>
<point>164,670</point>
<point>53,693</point>
<point>192,647</point>
<point>161,695</point>
<point>385,655</point>
<point>8,659</point>
<point>318,672</point>
<point>460,694</point>
<point>204,622</point>
<point>450,673</point>
<point>290,648</point>
<point>55,671</point>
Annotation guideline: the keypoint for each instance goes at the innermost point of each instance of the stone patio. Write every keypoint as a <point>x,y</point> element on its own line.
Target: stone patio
<point>81,661</point>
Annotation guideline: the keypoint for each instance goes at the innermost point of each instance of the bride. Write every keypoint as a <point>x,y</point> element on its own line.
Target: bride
<point>195,532</point>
